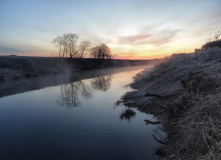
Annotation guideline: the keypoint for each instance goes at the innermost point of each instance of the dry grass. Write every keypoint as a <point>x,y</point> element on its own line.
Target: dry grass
<point>192,123</point>
<point>194,133</point>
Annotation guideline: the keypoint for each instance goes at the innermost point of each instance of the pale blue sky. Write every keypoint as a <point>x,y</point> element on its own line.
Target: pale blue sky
<point>132,28</point>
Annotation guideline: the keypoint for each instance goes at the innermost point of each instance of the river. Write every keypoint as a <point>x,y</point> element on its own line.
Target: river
<point>75,120</point>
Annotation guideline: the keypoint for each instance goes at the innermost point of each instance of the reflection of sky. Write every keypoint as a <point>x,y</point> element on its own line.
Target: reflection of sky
<point>113,85</point>
<point>132,28</point>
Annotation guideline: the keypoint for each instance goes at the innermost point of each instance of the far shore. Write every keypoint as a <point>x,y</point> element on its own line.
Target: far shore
<point>20,67</point>
<point>11,87</point>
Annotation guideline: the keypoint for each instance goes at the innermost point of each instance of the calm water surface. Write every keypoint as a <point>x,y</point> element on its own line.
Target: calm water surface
<point>75,121</point>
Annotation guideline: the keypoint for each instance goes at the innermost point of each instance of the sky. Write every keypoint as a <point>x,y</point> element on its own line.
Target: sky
<point>133,29</point>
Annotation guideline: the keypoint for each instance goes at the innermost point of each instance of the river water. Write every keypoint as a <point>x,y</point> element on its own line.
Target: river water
<point>75,121</point>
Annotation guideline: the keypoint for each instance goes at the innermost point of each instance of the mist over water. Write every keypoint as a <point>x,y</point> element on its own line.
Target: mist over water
<point>11,87</point>
<point>75,120</point>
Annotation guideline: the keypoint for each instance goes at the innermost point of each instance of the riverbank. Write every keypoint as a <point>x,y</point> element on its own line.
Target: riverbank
<point>18,67</point>
<point>184,93</point>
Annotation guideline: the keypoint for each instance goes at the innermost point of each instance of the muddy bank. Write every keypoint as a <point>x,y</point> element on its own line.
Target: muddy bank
<point>184,93</point>
<point>19,67</point>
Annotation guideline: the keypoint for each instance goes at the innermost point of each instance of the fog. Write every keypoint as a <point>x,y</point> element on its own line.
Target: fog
<point>101,80</point>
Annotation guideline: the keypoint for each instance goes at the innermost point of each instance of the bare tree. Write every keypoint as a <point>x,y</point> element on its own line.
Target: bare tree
<point>101,51</point>
<point>66,44</point>
<point>84,47</point>
<point>58,41</point>
<point>71,39</point>
<point>68,47</point>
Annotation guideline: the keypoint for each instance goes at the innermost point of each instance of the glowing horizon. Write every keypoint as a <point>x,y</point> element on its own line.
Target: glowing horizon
<point>134,29</point>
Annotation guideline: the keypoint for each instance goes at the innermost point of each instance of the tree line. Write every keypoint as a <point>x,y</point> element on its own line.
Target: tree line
<point>69,46</point>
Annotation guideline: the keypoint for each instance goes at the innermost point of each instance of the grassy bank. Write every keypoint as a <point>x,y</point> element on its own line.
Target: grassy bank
<point>184,93</point>
<point>17,67</point>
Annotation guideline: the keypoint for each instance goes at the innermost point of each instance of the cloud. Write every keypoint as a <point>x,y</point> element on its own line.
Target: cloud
<point>4,49</point>
<point>23,50</point>
<point>156,37</point>
<point>133,39</point>
<point>163,37</point>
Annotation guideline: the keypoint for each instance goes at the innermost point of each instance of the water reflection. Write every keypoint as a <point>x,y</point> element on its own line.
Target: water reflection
<point>35,127</point>
<point>70,92</point>
<point>101,83</point>
<point>127,114</point>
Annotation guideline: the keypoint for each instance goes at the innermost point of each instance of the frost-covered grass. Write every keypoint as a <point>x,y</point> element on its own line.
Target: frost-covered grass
<point>16,67</point>
<point>191,114</point>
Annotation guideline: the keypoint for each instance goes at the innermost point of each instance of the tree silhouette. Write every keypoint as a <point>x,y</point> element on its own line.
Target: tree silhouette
<point>67,44</point>
<point>84,48</point>
<point>101,51</point>
<point>69,47</point>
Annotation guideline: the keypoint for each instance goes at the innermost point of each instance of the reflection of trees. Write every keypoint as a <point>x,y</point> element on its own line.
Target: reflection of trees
<point>102,83</point>
<point>127,114</point>
<point>70,93</point>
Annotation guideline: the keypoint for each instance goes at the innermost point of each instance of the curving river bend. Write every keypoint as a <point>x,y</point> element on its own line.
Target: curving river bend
<point>75,121</point>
